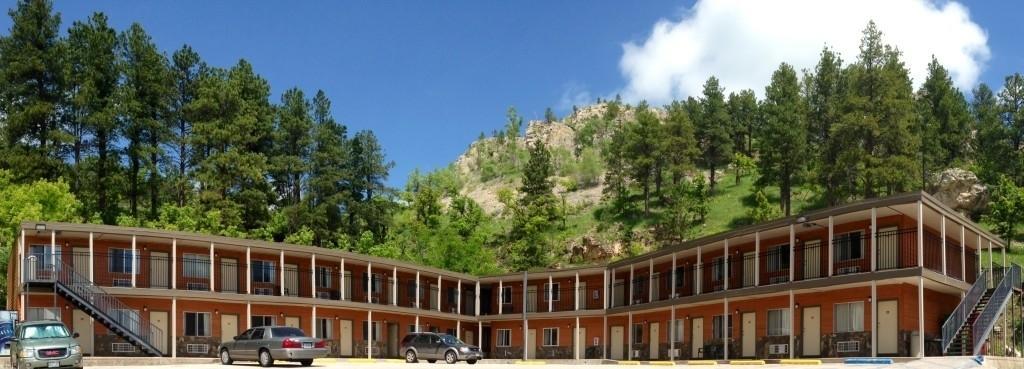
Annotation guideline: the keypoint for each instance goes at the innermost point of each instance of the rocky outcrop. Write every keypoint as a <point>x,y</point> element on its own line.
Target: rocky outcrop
<point>961,190</point>
<point>552,135</point>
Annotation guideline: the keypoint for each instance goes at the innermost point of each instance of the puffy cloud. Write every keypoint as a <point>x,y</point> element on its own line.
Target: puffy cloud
<point>743,42</point>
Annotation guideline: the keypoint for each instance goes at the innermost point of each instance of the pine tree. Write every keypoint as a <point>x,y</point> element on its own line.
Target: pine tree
<point>536,173</point>
<point>783,138</point>
<point>824,94</point>
<point>1011,104</point>
<point>145,100</point>
<point>185,69</point>
<point>328,174</point>
<point>368,210</point>
<point>944,122</point>
<point>291,146</point>
<point>680,147</point>
<point>31,92</point>
<point>643,146</point>
<point>743,110</point>
<point>93,80</point>
<point>712,130</point>
<point>549,116</point>
<point>990,144</point>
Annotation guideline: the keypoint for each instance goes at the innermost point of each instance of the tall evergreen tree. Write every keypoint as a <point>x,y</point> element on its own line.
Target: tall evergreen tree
<point>291,146</point>
<point>93,80</point>
<point>712,129</point>
<point>549,116</point>
<point>743,111</point>
<point>145,99</point>
<point>328,174</point>
<point>783,139</point>
<point>186,67</point>
<point>368,209</point>
<point>1011,104</point>
<point>944,122</point>
<point>990,144</point>
<point>31,92</point>
<point>680,147</point>
<point>642,142</point>
<point>824,95</point>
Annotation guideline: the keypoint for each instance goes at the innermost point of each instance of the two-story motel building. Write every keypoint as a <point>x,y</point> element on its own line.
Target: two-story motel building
<point>863,279</point>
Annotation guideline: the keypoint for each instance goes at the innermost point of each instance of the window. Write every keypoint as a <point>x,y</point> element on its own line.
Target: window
<point>680,332</point>
<point>262,320</point>
<point>45,255</point>
<point>849,317</point>
<point>504,337</point>
<point>718,268</point>
<point>121,261</point>
<point>197,324</point>
<point>719,331</point>
<point>850,246</point>
<point>638,289</point>
<point>196,265</point>
<point>263,271</point>
<point>33,314</point>
<point>506,295</point>
<point>257,334</point>
<point>323,277</point>
<point>638,334</point>
<point>128,318</point>
<point>680,281</point>
<point>376,331</point>
<point>778,322</point>
<point>323,328</point>
<point>554,289</point>
<point>413,328</point>
<point>410,291</point>
<point>550,336</point>
<point>778,258</point>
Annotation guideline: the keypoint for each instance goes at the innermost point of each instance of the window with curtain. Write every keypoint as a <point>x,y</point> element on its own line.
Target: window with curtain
<point>850,246</point>
<point>778,258</point>
<point>264,271</point>
<point>121,261</point>
<point>197,324</point>
<point>196,265</point>
<point>550,336</point>
<point>504,337</point>
<point>778,322</point>
<point>849,317</point>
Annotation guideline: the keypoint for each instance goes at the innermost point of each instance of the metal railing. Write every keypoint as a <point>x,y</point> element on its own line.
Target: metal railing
<point>959,315</point>
<point>996,303</point>
<point>118,312</point>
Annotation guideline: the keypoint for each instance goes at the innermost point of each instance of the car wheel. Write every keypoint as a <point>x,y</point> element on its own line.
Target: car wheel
<point>410,356</point>
<point>431,361</point>
<point>225,357</point>
<point>306,362</point>
<point>265,359</point>
<point>470,362</point>
<point>450,358</point>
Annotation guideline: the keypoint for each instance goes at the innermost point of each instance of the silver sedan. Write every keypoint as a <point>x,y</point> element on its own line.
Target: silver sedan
<point>270,343</point>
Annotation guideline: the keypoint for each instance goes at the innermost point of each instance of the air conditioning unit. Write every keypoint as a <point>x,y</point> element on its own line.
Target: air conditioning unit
<point>780,349</point>
<point>197,348</point>
<point>636,354</point>
<point>371,350</point>
<point>263,291</point>
<point>323,295</point>
<point>122,347</point>
<point>779,279</point>
<point>848,346</point>
<point>848,270</point>
<point>676,353</point>
<point>194,286</point>
<point>121,282</point>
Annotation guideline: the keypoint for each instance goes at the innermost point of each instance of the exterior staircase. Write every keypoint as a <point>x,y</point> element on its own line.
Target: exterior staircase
<point>93,300</point>
<point>965,331</point>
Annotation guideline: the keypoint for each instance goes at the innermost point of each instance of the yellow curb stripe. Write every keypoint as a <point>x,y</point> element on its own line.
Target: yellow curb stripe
<point>746,362</point>
<point>530,362</point>
<point>662,363</point>
<point>800,362</point>
<point>628,362</point>
<point>701,362</point>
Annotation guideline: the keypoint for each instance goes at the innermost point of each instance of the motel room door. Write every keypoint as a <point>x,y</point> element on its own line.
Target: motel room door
<point>393,340</point>
<point>887,327</point>
<point>697,326</point>
<point>748,269</point>
<point>345,339</point>
<point>291,280</point>
<point>618,334</point>
<point>581,342</point>
<point>80,260</point>
<point>292,321</point>
<point>531,343</point>
<point>229,275</point>
<point>812,259</point>
<point>159,319</point>
<point>531,299</point>
<point>655,340</point>
<point>888,250</point>
<point>749,335</point>
<point>83,325</point>
<point>159,270</point>
<point>812,331</point>
<point>228,327</point>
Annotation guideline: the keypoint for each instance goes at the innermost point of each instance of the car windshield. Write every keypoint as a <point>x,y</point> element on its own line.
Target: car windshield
<point>451,340</point>
<point>286,332</point>
<point>44,331</point>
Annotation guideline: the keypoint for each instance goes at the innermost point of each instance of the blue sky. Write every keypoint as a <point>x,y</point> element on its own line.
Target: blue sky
<point>428,77</point>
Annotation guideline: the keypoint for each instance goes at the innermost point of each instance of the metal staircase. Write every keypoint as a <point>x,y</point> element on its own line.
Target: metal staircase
<point>965,331</point>
<point>90,298</point>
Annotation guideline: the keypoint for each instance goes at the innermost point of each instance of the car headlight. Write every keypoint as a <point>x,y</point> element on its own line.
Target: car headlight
<point>26,352</point>
<point>75,350</point>
<point>464,349</point>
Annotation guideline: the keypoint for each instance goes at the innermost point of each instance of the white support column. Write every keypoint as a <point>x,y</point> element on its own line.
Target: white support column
<point>248,268</point>
<point>874,319</point>
<point>576,295</point>
<point>942,230</point>
<point>963,253</point>
<point>418,289</point>
<point>725,326</point>
<point>501,296</point>
<point>699,271</point>
<point>312,282</point>
<point>439,289</point>
<point>174,325</point>
<point>135,256</point>
<point>21,259</point>
<point>1002,249</point>
<point>650,280</point>
<point>92,261</point>
<point>394,286</point>
<point>458,297</point>
<point>874,240</point>
<point>610,303</point>
<point>458,329</point>
<point>369,285</point>
<point>757,258</point>
<point>576,337</point>
<point>312,322</point>
<point>282,271</point>
<point>248,315</point>
<point>792,258</point>
<point>369,333</point>
<point>629,283</point>
<point>550,293</point>
<point>476,301</point>
<point>920,234</point>
<point>792,323</point>
<point>920,316</point>
<point>212,278</point>
<point>725,267</point>
<point>674,276</point>
<point>604,336</point>
<point>629,336</point>
<point>672,334</point>
<point>991,273</point>
<point>479,333</point>
<point>418,323</point>
<point>341,280</point>
<point>828,243</point>
<point>606,290</point>
<point>977,256</point>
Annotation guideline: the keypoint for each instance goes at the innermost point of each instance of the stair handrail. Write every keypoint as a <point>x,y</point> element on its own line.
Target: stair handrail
<point>959,316</point>
<point>997,302</point>
<point>64,274</point>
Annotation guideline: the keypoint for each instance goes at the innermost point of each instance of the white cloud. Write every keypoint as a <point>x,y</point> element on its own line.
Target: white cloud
<point>743,42</point>
<point>574,94</point>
